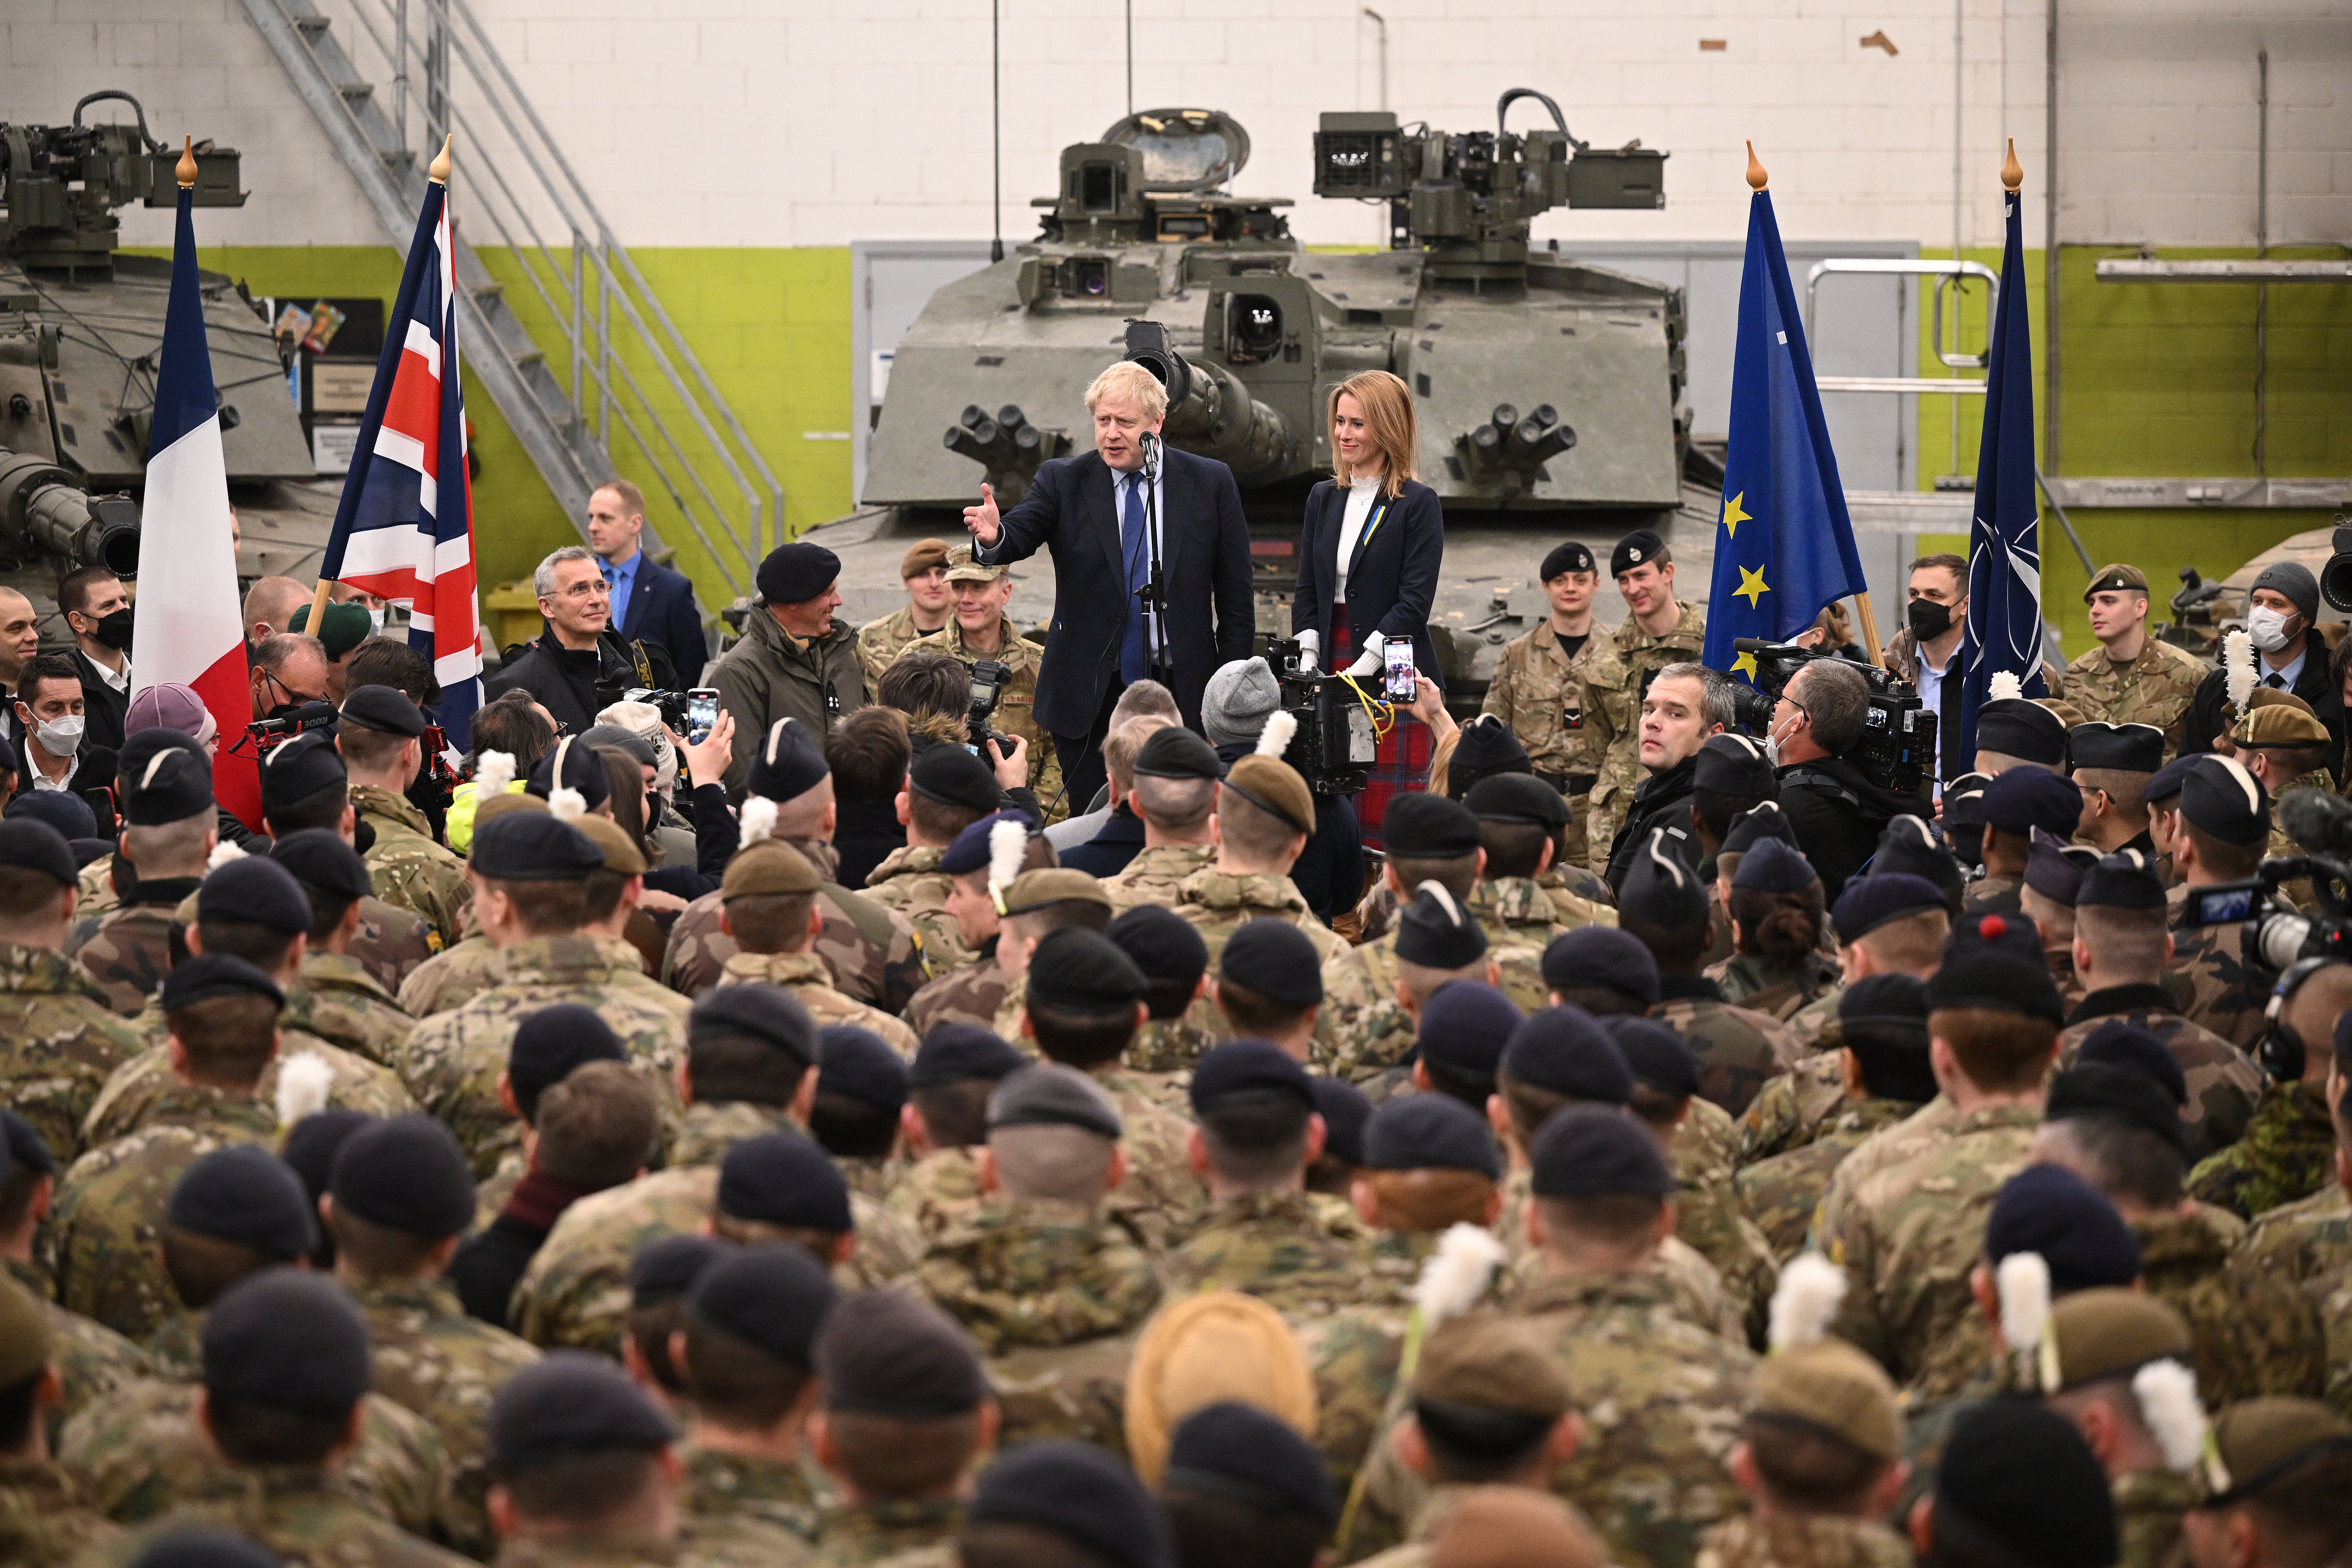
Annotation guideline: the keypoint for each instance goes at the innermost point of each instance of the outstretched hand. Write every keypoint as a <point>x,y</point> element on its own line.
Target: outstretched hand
<point>983,520</point>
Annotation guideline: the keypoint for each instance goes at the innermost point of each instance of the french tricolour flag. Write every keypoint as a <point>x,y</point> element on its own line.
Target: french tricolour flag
<point>189,630</point>
<point>405,528</point>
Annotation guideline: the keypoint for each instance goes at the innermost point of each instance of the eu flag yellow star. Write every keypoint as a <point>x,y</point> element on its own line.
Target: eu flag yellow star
<point>1732,516</point>
<point>1745,665</point>
<point>1752,584</point>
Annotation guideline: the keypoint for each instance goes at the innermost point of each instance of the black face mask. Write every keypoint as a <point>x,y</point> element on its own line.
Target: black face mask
<point>114,630</point>
<point>1929,620</point>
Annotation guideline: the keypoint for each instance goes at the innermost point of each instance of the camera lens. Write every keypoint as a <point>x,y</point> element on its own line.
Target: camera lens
<point>2279,938</point>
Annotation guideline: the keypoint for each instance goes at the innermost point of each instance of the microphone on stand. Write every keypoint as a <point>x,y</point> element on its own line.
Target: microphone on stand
<point>1150,445</point>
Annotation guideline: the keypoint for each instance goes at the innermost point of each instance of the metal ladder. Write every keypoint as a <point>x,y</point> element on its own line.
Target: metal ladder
<point>623,357</point>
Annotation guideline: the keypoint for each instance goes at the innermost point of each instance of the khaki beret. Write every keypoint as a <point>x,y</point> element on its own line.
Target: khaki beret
<point>2257,1441</point>
<point>1051,885</point>
<point>2119,576</point>
<point>923,555</point>
<point>2109,1332</point>
<point>1204,1350</point>
<point>622,856</point>
<point>769,867</point>
<point>2068,714</point>
<point>2289,723</point>
<point>1833,1387</point>
<point>1487,1361</point>
<point>1274,786</point>
<point>498,805</point>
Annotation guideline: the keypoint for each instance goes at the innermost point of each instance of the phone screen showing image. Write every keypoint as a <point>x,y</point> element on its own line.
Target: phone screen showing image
<point>1401,685</point>
<point>701,714</point>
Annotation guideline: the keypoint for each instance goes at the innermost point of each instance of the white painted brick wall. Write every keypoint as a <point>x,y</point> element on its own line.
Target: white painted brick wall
<point>818,121</point>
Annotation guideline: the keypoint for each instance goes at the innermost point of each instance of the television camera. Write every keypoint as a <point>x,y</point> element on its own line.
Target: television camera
<point>1897,749</point>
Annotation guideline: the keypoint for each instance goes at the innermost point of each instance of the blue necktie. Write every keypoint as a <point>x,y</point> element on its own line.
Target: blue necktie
<point>1134,658</point>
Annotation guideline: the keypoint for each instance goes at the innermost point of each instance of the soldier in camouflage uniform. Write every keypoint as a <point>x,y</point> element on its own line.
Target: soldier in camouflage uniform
<point>2216,824</point>
<point>909,881</point>
<point>769,894</point>
<point>2288,1152</point>
<point>58,1038</point>
<point>976,992</point>
<point>347,1004</point>
<point>453,977</point>
<point>2096,1343</point>
<point>45,1518</point>
<point>924,570</point>
<point>1184,1019</point>
<point>1266,814</point>
<point>979,629</point>
<point>1644,572</point>
<point>1562,689</point>
<point>1174,796</point>
<point>380,738</point>
<point>571,1417</point>
<point>2132,677</point>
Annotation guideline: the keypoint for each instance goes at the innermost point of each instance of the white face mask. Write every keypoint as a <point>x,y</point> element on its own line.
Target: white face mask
<point>1772,744</point>
<point>375,622</point>
<point>60,737</point>
<point>2266,628</point>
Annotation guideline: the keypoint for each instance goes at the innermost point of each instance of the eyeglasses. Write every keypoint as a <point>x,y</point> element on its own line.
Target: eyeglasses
<point>594,588</point>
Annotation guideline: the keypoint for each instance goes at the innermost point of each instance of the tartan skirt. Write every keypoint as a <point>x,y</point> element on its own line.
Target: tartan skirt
<point>1401,760</point>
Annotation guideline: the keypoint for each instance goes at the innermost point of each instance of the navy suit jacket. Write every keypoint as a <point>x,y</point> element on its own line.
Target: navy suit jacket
<point>1212,618</point>
<point>1391,582</point>
<point>662,610</point>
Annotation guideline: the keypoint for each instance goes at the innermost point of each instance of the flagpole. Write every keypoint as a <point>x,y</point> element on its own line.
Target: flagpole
<point>1869,630</point>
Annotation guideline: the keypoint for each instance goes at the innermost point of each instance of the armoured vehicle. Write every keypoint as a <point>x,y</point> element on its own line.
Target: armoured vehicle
<point>1549,392</point>
<point>80,326</point>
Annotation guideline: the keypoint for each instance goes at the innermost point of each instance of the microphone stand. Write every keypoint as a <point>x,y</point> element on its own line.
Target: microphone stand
<point>1153,594</point>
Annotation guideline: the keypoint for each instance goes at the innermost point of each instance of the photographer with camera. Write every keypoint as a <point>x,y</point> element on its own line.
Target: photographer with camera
<point>980,636</point>
<point>1837,810</point>
<point>2288,1151</point>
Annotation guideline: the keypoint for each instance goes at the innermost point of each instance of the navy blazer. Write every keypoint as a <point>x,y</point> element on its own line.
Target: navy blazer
<point>1211,619</point>
<point>662,610</point>
<point>1391,582</point>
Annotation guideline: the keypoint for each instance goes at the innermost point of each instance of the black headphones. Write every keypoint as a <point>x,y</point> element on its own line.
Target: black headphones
<point>2280,1050</point>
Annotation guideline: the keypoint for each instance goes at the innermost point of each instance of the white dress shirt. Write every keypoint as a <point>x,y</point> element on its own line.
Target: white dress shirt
<point>1361,497</point>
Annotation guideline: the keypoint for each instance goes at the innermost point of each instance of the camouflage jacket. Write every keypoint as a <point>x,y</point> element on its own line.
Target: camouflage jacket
<point>143,1450</point>
<point>909,881</point>
<point>2254,1333</point>
<point>412,873</point>
<point>939,1193</point>
<point>1015,704</point>
<point>1271,1245</point>
<point>1219,903</point>
<point>2154,688</point>
<point>1163,1198</point>
<point>1774,990</point>
<point>305,1514</point>
<point>1908,1241</point>
<point>892,1535</point>
<point>2299,1242</point>
<point>2223,1081</point>
<point>1737,1049</point>
<point>58,1042</point>
<point>588,1551</point>
<point>2149,1507</point>
<point>1803,1541</point>
<point>880,642</point>
<point>451,978</point>
<point>349,1007</point>
<point>805,976</point>
<point>429,1356</point>
<point>1817,1015</point>
<point>1693,1286</point>
<point>1921,1133</point>
<point>2214,985</point>
<point>2288,1152</point>
<point>1567,712</point>
<point>972,995</point>
<point>127,950</point>
<point>102,1244</point>
<point>744,1511</point>
<point>452,1060</point>
<point>1362,1030</point>
<point>129,1099</point>
<point>1709,1219</point>
<point>91,1360</point>
<point>1794,1108</point>
<point>1524,911</point>
<point>1780,1194</point>
<point>1155,874</point>
<point>45,1519</point>
<point>874,952</point>
<point>1652,1476</point>
<point>391,944</point>
<point>1169,1047</point>
<point>2331,1293</point>
<point>1991,895</point>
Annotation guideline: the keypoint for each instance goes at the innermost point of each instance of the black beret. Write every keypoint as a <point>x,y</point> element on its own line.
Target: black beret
<point>142,746</point>
<point>664,1268</point>
<point>790,762</point>
<point>329,869</point>
<point>1272,957</point>
<point>2109,1092</point>
<point>1566,1050</point>
<point>1052,1095</point>
<point>1465,1026</point>
<point>34,845</point>
<point>1172,751</point>
<point>1869,902</point>
<point>1346,1112</point>
<point>1988,964</point>
<point>1083,971</point>
<point>2119,1043</point>
<point>1735,764</point>
<point>765,1012</point>
<point>1653,1054</point>
<point>205,976</point>
<point>1594,1152</point>
<point>296,769</point>
<point>23,1144</point>
<point>383,708</point>
<point>1517,797</point>
<point>1488,744</point>
<point>532,847</point>
<point>1661,888</point>
<point>2166,781</point>
<point>1244,1066</point>
<point>1638,548</point>
<point>1763,820</point>
<point>953,776</point>
<point>254,888</point>
<point>2123,880</point>
<point>204,1549</point>
<point>286,1338</point>
<point>245,1194</point>
<point>1885,998</point>
<point>962,1053</point>
<point>1239,1451</point>
<point>2220,797</point>
<point>1774,865</point>
<point>2054,869</point>
<point>2051,1212</point>
<point>1424,826</point>
<point>2125,748</point>
<point>313,1143</point>
<point>1436,932</point>
<point>1079,1492</point>
<point>571,764</point>
<point>568,1404</point>
<point>2017,726</point>
<point>67,815</point>
<point>1167,946</point>
<point>887,1354</point>
<point>1573,556</point>
<point>2025,798</point>
<point>1909,845</point>
<point>969,852</point>
<point>782,1178</point>
<point>773,1297</point>
<point>1964,801</point>
<point>861,1063</point>
<point>550,1043</point>
<point>407,1174</point>
<point>795,573</point>
<point>1601,955</point>
<point>1430,1132</point>
<point>2017,1484</point>
<point>622,739</point>
<point>172,788</point>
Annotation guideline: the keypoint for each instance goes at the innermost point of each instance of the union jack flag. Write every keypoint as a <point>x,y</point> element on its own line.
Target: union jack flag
<point>398,533</point>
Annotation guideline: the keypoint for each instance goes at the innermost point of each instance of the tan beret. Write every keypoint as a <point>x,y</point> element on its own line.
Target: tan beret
<point>2117,577</point>
<point>2290,723</point>
<point>1273,786</point>
<point>1488,1362</point>
<point>2258,1441</point>
<point>621,856</point>
<point>1830,1385</point>
<point>488,811</point>
<point>1204,1350</point>
<point>770,867</point>
<point>923,555</point>
<point>1051,885</point>
<point>2109,1332</point>
<point>2068,714</point>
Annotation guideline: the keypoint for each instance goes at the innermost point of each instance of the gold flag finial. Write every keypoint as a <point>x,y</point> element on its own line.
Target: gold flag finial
<point>439,168</point>
<point>186,167</point>
<point>1754,170</point>
<point>2013,173</point>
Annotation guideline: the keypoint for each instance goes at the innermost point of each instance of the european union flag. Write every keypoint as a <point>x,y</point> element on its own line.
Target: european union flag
<point>1784,546</point>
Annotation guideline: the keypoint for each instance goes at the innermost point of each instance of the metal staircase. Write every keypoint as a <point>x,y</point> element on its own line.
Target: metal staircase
<point>619,360</point>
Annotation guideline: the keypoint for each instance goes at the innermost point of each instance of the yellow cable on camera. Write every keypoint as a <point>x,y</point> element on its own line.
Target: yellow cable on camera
<point>1382,715</point>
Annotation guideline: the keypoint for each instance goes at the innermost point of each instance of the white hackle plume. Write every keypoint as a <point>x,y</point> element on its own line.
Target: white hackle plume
<point>1008,841</point>
<point>224,852</point>
<point>2167,1392</point>
<point>2005,685</point>
<point>758,821</point>
<point>1275,739</point>
<point>1457,1273</point>
<point>493,772</point>
<point>2024,1283</point>
<point>302,1084</point>
<point>566,805</point>
<point>1806,1301</point>
<point>2238,666</point>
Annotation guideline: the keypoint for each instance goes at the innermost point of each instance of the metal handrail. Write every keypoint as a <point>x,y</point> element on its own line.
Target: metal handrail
<point>1947,275</point>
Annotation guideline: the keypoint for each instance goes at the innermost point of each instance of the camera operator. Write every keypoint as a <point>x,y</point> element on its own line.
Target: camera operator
<point>1836,810</point>
<point>2280,612</point>
<point>2289,1150</point>
<point>578,664</point>
<point>1684,705</point>
<point>980,630</point>
<point>1235,703</point>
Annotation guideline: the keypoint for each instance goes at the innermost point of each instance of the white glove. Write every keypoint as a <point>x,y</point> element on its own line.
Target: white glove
<point>1310,650</point>
<point>1369,662</point>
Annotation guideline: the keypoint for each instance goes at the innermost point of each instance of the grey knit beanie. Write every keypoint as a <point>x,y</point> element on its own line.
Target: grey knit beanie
<point>1236,703</point>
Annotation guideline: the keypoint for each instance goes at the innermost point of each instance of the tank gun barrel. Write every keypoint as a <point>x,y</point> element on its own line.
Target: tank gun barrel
<point>42,510</point>
<point>1211,411</point>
